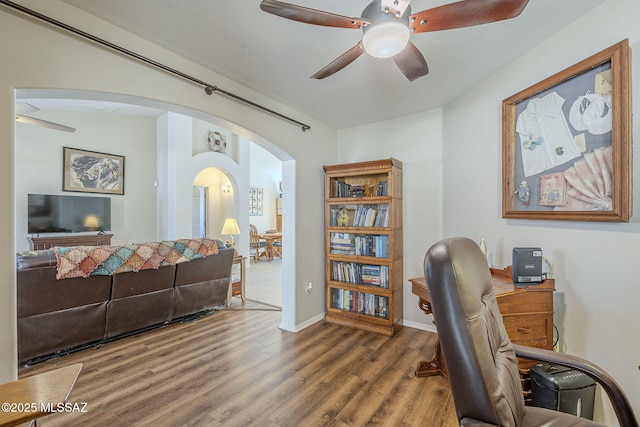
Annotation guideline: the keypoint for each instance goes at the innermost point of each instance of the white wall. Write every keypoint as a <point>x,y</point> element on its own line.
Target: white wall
<point>415,140</point>
<point>37,56</point>
<point>38,168</point>
<point>597,284</point>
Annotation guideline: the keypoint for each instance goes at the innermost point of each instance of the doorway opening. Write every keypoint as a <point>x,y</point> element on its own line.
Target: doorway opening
<point>264,266</point>
<point>213,202</point>
<point>156,204</point>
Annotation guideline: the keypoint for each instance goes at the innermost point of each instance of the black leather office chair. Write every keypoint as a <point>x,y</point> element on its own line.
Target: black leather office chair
<point>481,360</point>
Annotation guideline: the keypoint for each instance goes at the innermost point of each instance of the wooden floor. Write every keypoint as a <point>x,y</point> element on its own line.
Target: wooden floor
<point>237,368</point>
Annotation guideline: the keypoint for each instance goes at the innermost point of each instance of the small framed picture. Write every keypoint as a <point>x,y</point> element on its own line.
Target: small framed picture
<point>92,172</point>
<point>553,190</point>
<point>255,201</point>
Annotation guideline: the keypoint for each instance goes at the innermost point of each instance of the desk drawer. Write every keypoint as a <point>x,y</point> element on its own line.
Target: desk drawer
<point>526,302</point>
<point>527,328</point>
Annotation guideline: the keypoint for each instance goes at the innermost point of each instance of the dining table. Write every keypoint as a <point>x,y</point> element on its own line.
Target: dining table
<point>271,238</point>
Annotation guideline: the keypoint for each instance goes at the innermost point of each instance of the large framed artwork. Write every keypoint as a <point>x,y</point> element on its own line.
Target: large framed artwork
<point>566,143</point>
<point>92,172</point>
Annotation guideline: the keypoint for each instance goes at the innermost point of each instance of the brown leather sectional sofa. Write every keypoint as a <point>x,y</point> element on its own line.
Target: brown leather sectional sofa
<point>55,316</point>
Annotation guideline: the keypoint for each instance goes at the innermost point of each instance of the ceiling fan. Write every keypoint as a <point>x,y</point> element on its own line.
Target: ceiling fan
<point>387,24</point>
<point>23,107</point>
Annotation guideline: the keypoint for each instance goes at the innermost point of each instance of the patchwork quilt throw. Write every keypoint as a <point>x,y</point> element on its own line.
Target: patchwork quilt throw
<point>85,261</point>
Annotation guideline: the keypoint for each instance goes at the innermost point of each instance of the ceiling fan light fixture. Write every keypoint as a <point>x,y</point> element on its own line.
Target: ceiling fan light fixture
<point>386,39</point>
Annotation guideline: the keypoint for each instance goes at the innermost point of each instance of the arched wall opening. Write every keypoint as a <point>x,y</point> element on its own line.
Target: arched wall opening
<point>165,183</point>
<point>213,202</point>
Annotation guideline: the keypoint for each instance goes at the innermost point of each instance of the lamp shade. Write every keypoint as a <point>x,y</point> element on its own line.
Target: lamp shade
<point>230,227</point>
<point>91,222</point>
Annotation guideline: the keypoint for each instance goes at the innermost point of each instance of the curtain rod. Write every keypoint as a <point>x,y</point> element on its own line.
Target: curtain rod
<point>208,88</point>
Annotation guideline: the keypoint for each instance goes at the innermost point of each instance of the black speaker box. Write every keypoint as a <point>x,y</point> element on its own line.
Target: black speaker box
<point>527,266</point>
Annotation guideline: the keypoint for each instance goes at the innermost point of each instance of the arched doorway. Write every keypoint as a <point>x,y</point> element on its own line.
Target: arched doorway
<point>168,178</point>
<point>213,202</point>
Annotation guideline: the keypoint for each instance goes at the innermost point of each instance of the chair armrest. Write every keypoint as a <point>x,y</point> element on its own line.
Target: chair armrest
<point>618,399</point>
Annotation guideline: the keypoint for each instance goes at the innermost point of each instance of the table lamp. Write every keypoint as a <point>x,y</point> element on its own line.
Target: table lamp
<point>91,222</point>
<point>230,227</point>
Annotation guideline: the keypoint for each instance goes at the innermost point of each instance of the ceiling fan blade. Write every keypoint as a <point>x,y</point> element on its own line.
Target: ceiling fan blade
<point>338,64</point>
<point>43,123</point>
<point>25,108</point>
<point>411,62</point>
<point>311,16</point>
<point>465,13</point>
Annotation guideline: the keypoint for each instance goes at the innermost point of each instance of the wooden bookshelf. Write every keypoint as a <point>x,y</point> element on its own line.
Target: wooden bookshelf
<point>363,226</point>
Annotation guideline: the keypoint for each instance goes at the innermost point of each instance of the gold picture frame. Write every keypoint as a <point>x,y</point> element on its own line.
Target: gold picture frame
<point>92,172</point>
<point>576,123</point>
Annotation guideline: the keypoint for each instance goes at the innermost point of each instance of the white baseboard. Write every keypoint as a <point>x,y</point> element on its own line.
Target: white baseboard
<point>421,326</point>
<point>320,317</point>
<point>303,325</point>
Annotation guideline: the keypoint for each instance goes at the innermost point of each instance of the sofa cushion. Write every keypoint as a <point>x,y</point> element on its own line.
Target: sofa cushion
<point>209,268</point>
<point>45,333</point>
<point>202,284</point>
<point>39,292</point>
<point>137,312</point>
<point>129,284</point>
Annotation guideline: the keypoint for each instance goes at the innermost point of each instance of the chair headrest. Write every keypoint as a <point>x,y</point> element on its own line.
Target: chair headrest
<point>460,259</point>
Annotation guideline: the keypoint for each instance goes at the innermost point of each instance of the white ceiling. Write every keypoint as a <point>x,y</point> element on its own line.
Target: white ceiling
<point>276,56</point>
<point>29,105</point>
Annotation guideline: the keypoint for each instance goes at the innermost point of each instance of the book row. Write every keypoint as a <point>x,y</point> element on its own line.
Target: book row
<point>360,302</point>
<point>363,216</point>
<point>342,189</point>
<point>359,244</point>
<point>371,217</point>
<point>362,274</point>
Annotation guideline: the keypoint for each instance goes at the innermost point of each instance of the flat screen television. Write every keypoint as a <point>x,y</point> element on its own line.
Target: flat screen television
<point>67,214</point>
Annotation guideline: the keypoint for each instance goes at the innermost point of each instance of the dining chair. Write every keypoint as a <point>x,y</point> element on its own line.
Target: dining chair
<point>257,246</point>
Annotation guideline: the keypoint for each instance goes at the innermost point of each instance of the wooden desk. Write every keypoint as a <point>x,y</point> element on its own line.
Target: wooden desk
<point>271,238</point>
<point>32,397</point>
<point>527,314</point>
<point>237,286</point>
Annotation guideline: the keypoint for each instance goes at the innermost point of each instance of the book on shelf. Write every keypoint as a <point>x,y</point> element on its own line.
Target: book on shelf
<point>360,302</point>
<point>362,274</point>
<point>342,189</point>
<point>381,189</point>
<point>356,190</point>
<point>342,243</point>
<point>365,217</point>
<point>382,219</point>
<point>371,245</point>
